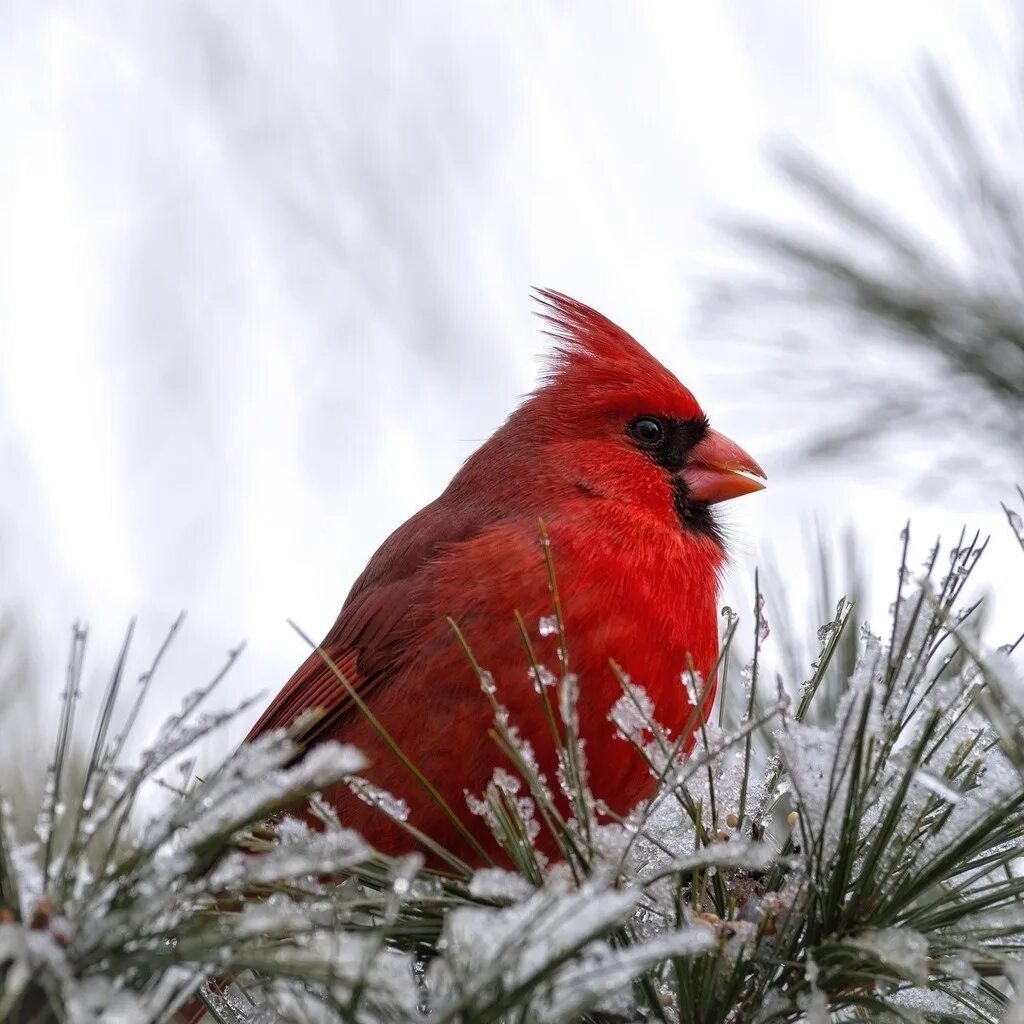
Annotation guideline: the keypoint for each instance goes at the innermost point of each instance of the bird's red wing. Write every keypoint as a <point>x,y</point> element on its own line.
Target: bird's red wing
<point>372,634</point>
<point>365,645</point>
<point>313,685</point>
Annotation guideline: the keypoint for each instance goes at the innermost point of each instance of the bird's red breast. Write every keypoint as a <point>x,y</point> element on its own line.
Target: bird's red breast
<point>618,459</point>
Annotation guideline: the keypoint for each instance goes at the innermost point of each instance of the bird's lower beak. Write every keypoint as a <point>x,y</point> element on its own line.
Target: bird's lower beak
<point>718,470</point>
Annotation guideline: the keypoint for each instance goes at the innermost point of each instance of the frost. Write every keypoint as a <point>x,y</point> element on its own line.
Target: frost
<point>380,980</point>
<point>747,676</point>
<point>568,696</point>
<point>601,976</point>
<point>810,753</point>
<point>959,966</point>
<point>393,806</point>
<point>548,625</point>
<point>482,809</point>
<point>489,953</point>
<point>1015,1011</point>
<point>815,1007</point>
<point>543,677</point>
<point>1007,676</point>
<point>903,949</point>
<point>748,855</point>
<point>501,801</point>
<point>505,781</point>
<point>693,684</point>
<point>763,629</point>
<point>815,1003</point>
<point>934,783</point>
<point>632,713</point>
<point>499,885</point>
<point>249,786</point>
<point>300,852</point>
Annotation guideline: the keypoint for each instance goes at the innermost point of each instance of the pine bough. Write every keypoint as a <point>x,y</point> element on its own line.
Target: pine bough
<point>859,865</point>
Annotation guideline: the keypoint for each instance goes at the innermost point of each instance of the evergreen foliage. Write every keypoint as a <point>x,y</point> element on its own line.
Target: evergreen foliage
<point>857,864</point>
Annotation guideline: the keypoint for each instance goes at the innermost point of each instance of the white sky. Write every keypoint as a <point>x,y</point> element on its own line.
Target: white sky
<point>263,281</point>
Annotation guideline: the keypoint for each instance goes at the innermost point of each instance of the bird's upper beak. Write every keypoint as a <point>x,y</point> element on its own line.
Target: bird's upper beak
<point>718,470</point>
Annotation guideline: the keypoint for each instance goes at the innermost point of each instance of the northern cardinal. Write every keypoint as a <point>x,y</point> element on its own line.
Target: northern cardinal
<point>618,460</point>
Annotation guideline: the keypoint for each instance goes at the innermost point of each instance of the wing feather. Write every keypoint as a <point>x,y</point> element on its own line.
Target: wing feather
<point>366,644</point>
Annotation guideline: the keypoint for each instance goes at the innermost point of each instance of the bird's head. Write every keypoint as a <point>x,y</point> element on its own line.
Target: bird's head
<point>625,428</point>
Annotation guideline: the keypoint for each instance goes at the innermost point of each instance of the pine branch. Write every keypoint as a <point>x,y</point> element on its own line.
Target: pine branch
<point>875,279</point>
<point>796,865</point>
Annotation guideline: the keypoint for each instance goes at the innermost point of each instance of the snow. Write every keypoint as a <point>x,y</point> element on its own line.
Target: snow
<point>743,854</point>
<point>902,949</point>
<point>299,853</point>
<point>490,954</point>
<point>936,784</point>
<point>499,885</point>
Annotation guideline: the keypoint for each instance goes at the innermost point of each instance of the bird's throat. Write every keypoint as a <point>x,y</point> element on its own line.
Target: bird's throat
<point>694,516</point>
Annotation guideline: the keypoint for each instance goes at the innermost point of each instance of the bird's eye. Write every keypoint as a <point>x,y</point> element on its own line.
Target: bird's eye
<point>648,430</point>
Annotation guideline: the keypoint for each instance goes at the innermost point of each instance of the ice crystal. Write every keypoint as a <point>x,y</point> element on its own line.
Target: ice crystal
<point>763,629</point>
<point>394,807</point>
<point>633,713</point>
<point>542,677</point>
<point>547,625</point>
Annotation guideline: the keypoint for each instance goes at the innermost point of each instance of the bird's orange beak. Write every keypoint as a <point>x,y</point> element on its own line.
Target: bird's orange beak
<point>718,470</point>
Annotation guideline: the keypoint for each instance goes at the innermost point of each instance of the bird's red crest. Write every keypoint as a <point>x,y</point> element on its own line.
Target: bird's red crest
<point>597,360</point>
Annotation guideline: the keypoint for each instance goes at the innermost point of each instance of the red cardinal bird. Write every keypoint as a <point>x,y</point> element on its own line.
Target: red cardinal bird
<point>618,459</point>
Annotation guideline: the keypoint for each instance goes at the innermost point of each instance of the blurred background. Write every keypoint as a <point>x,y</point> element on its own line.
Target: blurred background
<point>264,277</point>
